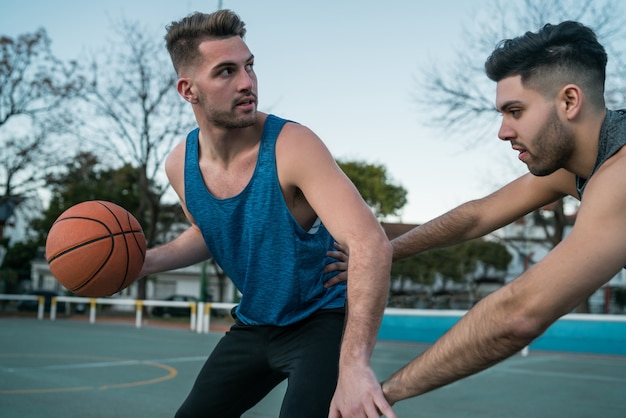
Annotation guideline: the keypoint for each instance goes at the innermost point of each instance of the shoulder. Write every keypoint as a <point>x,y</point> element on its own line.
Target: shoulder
<point>297,137</point>
<point>174,166</point>
<point>610,177</point>
<point>298,142</point>
<point>301,154</point>
<point>176,156</point>
<point>604,202</point>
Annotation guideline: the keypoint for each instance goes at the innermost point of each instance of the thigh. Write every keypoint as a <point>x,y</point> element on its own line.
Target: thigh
<point>234,378</point>
<point>309,353</point>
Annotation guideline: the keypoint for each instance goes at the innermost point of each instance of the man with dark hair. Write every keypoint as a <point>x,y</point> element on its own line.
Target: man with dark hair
<point>550,92</point>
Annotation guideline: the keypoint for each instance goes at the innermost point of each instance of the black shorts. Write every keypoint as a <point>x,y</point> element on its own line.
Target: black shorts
<point>249,361</point>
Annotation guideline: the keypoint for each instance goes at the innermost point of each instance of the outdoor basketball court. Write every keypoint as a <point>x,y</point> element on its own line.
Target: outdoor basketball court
<point>68,368</point>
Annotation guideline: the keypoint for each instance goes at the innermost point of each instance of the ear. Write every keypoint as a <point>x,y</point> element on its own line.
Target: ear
<point>186,90</point>
<point>571,98</point>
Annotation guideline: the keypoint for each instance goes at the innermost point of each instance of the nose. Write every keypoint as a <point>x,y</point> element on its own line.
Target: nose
<point>506,133</point>
<point>246,81</point>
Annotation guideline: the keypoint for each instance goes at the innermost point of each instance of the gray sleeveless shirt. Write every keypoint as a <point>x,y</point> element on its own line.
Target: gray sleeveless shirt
<point>612,139</point>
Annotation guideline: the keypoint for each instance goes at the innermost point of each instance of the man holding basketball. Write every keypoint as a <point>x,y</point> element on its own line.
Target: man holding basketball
<point>550,92</point>
<point>266,200</point>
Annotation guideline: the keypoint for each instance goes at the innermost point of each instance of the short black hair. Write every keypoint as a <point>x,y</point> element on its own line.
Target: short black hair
<point>552,57</point>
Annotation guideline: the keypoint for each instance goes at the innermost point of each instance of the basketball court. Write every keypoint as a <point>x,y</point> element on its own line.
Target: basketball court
<point>69,368</point>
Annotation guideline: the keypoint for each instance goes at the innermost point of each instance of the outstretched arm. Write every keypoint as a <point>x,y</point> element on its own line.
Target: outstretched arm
<point>479,217</point>
<point>510,318</point>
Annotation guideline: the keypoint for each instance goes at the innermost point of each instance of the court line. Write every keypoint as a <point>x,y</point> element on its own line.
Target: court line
<point>171,373</point>
<point>586,376</point>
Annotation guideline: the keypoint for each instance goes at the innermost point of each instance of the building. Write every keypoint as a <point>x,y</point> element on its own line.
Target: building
<point>184,281</point>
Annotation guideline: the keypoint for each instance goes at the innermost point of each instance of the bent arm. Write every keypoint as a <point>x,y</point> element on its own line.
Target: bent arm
<point>339,205</point>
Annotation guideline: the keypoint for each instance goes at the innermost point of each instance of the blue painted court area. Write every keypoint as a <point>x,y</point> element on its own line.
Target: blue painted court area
<point>574,333</point>
<point>69,368</point>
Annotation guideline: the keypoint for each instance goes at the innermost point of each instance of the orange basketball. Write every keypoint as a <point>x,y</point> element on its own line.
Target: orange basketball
<point>95,248</point>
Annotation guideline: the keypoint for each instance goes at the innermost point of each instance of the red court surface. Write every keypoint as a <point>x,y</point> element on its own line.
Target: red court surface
<point>67,368</point>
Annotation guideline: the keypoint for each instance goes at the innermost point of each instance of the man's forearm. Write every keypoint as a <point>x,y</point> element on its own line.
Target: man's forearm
<point>187,249</point>
<point>482,338</point>
<point>368,289</point>
<point>451,228</point>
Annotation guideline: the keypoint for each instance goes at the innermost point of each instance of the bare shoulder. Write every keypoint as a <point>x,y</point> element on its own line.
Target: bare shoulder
<point>615,164</point>
<point>606,189</point>
<point>298,148</point>
<point>295,135</point>
<point>174,166</point>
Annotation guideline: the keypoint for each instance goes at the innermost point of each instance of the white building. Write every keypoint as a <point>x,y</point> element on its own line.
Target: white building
<point>184,281</point>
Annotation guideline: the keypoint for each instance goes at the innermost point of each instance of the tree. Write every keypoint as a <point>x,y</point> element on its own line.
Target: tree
<point>372,182</point>
<point>83,178</point>
<point>137,116</point>
<point>34,85</point>
<point>465,263</point>
<point>459,263</point>
<point>461,99</point>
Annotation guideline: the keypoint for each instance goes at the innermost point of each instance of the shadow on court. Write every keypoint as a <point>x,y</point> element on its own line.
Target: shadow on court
<point>68,368</point>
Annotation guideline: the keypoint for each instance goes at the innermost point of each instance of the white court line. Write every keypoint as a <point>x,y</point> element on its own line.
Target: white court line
<point>586,376</point>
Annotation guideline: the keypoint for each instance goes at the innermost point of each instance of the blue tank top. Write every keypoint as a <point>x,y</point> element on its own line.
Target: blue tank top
<point>277,266</point>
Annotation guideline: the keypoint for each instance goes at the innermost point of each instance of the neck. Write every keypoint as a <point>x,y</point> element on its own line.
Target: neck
<point>587,134</point>
<point>220,144</point>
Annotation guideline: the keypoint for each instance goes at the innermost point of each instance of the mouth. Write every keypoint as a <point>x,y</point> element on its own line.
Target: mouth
<point>521,150</point>
<point>246,102</point>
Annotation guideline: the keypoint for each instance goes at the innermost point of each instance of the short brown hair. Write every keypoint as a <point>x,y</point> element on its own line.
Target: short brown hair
<point>183,37</point>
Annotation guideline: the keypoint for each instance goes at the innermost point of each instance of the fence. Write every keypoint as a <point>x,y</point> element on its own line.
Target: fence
<point>582,333</point>
<point>199,318</point>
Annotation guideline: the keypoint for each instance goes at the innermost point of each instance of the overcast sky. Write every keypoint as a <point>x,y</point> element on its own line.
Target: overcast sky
<point>346,69</point>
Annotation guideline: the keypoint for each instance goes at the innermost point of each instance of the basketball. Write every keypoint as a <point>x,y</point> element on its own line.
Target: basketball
<point>95,248</point>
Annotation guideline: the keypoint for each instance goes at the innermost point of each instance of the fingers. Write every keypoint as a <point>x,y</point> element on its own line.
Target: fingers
<point>336,266</point>
<point>385,410</point>
<point>339,255</point>
<point>339,278</point>
<point>341,265</point>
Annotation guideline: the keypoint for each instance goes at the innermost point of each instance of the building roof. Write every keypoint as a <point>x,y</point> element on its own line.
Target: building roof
<point>394,230</point>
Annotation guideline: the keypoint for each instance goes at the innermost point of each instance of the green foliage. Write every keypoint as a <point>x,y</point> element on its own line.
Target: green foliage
<point>372,181</point>
<point>19,255</point>
<point>469,260</point>
<point>84,179</point>
<point>16,264</point>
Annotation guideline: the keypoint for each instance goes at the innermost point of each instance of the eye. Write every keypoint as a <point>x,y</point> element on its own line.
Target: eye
<point>515,112</point>
<point>249,67</point>
<point>226,71</point>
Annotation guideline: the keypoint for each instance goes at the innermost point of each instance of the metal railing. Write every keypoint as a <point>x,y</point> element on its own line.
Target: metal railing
<point>199,318</point>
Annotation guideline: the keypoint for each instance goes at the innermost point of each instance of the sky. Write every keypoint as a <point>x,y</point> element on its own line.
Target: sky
<point>345,69</point>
